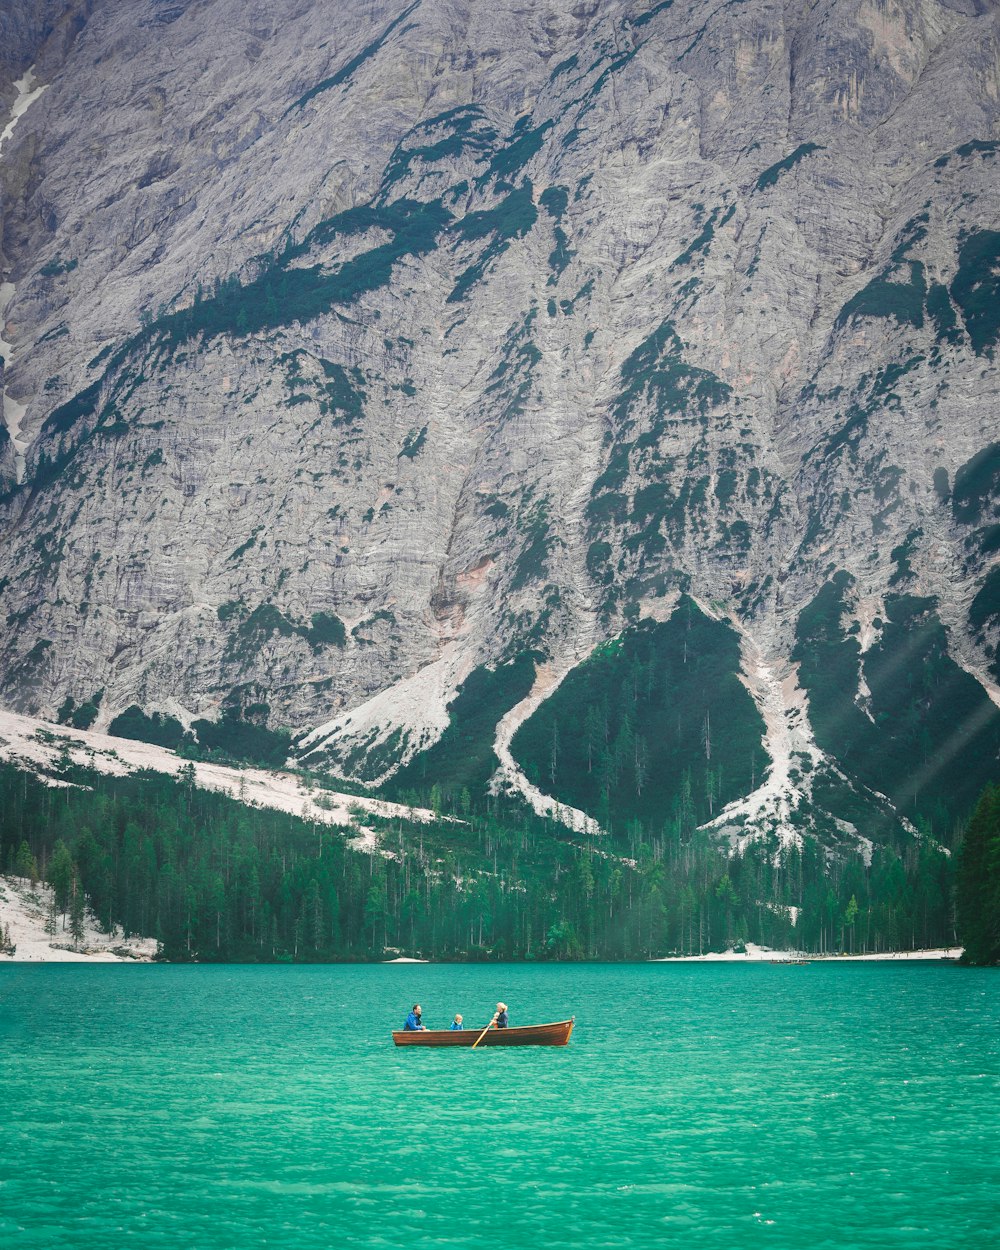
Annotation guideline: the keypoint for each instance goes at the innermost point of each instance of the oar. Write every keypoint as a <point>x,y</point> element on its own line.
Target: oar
<point>482,1035</point>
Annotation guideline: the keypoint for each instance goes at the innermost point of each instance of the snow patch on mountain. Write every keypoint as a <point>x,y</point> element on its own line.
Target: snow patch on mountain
<point>38,745</point>
<point>416,708</point>
<point>788,741</point>
<point>509,776</point>
<point>27,94</point>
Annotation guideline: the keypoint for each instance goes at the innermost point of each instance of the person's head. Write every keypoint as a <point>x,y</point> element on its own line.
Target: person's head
<point>416,1009</point>
<point>458,1018</point>
<point>501,1006</point>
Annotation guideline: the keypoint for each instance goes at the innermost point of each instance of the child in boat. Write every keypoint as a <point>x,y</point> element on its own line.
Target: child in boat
<point>414,1022</point>
<point>457,1023</point>
<point>500,1020</point>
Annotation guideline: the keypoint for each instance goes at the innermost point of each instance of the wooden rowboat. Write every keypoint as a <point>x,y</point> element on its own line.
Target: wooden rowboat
<point>526,1035</point>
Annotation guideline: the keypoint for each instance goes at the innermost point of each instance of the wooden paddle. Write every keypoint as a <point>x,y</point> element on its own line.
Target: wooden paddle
<point>482,1035</point>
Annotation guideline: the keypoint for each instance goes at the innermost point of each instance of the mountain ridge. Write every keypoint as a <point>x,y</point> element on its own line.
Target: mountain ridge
<point>360,361</point>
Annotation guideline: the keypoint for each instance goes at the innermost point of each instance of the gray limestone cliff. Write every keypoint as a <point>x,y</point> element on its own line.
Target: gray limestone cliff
<point>352,347</point>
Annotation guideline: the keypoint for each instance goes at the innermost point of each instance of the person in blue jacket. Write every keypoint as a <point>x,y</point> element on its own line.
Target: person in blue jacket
<point>457,1023</point>
<point>414,1022</point>
<point>500,1020</point>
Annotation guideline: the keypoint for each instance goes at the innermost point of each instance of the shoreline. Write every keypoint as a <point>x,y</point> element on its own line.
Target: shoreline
<point>765,954</point>
<point>25,909</point>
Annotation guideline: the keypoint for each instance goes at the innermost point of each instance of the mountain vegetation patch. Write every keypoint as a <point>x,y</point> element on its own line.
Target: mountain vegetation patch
<point>654,727</point>
<point>976,288</point>
<point>976,492</point>
<point>770,176</point>
<point>933,737</point>
<point>348,69</point>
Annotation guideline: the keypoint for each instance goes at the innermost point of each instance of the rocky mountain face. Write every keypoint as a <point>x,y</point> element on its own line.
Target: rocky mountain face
<point>362,353</point>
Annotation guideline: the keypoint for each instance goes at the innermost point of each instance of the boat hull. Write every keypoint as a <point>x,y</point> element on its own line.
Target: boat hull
<point>556,1034</point>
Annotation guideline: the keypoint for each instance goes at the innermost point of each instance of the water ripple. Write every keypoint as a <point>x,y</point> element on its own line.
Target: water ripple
<point>714,1106</point>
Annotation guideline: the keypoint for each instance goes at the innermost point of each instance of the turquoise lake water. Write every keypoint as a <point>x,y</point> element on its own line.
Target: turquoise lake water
<point>697,1105</point>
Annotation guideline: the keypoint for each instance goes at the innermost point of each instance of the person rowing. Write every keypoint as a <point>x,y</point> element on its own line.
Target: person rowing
<point>500,1018</point>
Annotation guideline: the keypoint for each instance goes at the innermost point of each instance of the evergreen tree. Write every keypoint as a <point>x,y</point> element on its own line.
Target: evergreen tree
<point>978,882</point>
<point>375,914</point>
<point>561,942</point>
<point>60,875</point>
<point>850,917</point>
<point>76,913</point>
<point>25,864</point>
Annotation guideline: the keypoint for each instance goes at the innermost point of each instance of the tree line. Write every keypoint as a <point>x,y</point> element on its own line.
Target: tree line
<point>213,879</point>
<point>978,881</point>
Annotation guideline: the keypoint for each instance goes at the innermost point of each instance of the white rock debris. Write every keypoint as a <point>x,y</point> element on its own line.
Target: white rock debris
<point>26,911</point>
<point>39,746</point>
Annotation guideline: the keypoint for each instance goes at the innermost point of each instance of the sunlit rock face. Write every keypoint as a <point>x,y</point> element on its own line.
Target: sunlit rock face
<point>370,343</point>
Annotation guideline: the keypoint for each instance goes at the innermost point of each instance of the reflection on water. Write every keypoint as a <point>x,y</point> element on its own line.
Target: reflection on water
<point>709,1106</point>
